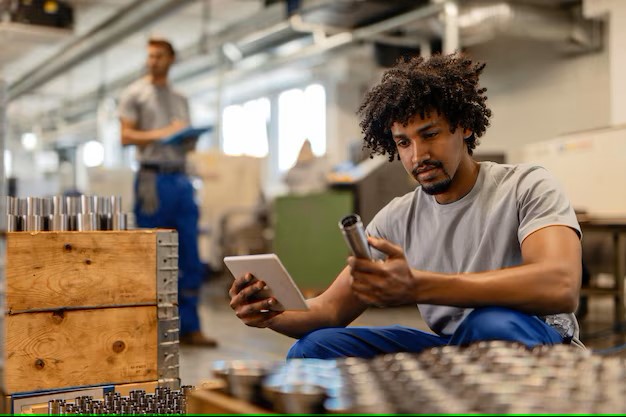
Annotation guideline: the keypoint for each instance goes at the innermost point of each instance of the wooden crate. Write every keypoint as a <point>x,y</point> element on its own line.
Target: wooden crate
<point>90,308</point>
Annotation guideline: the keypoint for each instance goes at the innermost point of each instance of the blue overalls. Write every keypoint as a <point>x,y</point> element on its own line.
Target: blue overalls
<point>177,209</point>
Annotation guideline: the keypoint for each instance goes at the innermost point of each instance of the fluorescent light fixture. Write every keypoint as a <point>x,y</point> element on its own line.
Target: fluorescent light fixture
<point>8,163</point>
<point>93,154</point>
<point>29,141</point>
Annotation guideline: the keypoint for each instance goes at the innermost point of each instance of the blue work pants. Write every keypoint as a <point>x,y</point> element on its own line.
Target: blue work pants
<point>489,323</point>
<point>178,210</point>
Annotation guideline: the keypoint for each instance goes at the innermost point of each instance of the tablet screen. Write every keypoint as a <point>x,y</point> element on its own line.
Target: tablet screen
<point>268,268</point>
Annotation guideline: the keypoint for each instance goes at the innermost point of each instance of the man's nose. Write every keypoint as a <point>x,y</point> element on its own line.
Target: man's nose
<point>421,153</point>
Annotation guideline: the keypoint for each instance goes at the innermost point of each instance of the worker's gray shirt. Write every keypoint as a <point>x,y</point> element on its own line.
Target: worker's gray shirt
<point>151,107</point>
<point>482,231</point>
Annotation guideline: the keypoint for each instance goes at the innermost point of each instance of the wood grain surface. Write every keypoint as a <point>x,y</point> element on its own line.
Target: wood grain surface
<point>71,269</point>
<point>83,347</point>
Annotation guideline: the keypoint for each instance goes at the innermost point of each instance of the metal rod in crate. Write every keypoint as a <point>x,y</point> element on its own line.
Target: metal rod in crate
<point>72,213</point>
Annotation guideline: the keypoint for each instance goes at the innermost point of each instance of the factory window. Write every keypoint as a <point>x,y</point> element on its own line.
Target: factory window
<point>245,128</point>
<point>8,163</point>
<point>301,115</point>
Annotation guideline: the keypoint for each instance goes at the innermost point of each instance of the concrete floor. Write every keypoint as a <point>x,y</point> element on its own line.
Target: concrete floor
<point>237,341</point>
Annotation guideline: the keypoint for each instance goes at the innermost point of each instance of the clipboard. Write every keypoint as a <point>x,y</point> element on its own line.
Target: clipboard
<point>186,133</point>
<point>268,268</point>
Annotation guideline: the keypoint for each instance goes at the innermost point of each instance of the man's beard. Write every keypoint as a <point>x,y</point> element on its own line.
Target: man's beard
<point>437,187</point>
<point>158,71</point>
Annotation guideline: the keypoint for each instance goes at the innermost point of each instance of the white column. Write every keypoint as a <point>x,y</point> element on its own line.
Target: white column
<point>615,10</point>
<point>451,38</point>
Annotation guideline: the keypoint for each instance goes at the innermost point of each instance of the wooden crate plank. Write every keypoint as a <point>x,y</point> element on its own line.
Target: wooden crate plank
<point>64,269</point>
<point>81,347</point>
<point>211,402</point>
<point>125,389</point>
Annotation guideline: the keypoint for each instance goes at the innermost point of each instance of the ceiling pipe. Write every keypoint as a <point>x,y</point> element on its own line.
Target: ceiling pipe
<point>124,23</point>
<point>340,40</point>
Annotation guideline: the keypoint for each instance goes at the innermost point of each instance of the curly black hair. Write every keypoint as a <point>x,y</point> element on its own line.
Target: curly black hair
<point>447,84</point>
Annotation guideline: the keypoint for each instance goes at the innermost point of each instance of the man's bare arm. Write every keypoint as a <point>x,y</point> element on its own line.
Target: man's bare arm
<point>547,282</point>
<point>133,136</point>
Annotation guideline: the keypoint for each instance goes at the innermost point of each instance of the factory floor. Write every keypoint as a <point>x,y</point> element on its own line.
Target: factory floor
<point>237,341</point>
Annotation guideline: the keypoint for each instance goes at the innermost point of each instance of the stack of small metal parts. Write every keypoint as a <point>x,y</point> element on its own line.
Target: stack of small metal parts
<point>59,213</point>
<point>163,401</point>
<point>486,377</point>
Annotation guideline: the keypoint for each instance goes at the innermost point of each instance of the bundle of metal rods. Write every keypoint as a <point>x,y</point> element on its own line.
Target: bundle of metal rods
<point>65,213</point>
<point>163,401</point>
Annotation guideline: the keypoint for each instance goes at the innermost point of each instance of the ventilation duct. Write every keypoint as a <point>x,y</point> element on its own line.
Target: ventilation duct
<point>483,21</point>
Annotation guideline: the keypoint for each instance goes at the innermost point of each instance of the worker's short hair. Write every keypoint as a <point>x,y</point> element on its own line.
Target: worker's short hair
<point>163,43</point>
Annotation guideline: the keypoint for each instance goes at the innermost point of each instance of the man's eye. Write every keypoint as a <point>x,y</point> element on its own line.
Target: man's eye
<point>430,135</point>
<point>402,143</point>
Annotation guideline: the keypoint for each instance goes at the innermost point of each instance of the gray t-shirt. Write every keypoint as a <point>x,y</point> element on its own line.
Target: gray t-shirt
<point>153,107</point>
<point>482,231</point>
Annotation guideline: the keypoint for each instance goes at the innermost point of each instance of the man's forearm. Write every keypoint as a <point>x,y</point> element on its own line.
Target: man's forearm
<point>140,137</point>
<point>536,288</point>
<point>298,323</point>
<point>548,281</point>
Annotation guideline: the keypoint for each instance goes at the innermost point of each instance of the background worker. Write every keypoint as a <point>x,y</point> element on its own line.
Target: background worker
<point>150,110</point>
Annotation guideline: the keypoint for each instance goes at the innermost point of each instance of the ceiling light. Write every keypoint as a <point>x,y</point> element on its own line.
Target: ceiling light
<point>29,141</point>
<point>93,154</point>
<point>8,163</point>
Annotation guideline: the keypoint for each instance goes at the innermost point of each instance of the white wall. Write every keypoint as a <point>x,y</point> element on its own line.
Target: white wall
<point>536,93</point>
<point>590,165</point>
<point>614,13</point>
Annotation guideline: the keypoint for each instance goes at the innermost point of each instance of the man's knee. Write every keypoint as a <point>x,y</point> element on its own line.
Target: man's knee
<point>297,351</point>
<point>493,323</point>
<point>312,345</point>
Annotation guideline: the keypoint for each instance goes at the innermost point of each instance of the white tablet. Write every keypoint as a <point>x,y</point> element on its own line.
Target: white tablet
<point>268,268</point>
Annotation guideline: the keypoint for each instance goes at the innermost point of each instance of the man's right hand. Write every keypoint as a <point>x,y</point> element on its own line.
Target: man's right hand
<point>249,302</point>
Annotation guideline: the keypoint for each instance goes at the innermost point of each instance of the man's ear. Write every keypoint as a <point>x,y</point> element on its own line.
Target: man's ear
<point>467,133</point>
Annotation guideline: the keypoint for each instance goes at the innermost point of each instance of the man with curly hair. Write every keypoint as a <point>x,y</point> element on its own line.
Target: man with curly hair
<point>487,251</point>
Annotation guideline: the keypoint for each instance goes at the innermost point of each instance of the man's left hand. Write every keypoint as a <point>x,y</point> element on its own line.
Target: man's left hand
<point>383,284</point>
